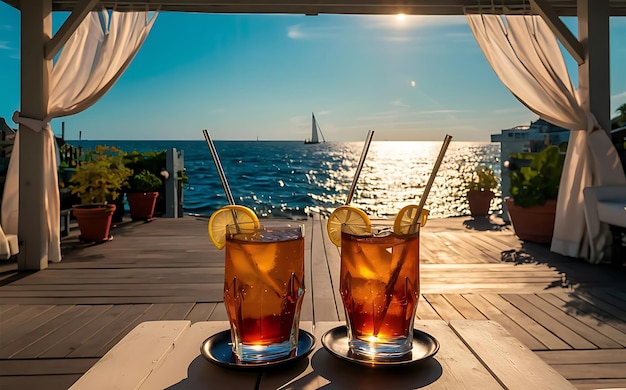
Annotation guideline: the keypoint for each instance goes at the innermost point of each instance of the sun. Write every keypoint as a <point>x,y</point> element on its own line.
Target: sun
<point>400,18</point>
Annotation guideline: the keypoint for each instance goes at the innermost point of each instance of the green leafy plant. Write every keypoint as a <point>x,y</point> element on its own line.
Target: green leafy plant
<point>483,179</point>
<point>146,181</point>
<point>100,176</point>
<point>539,181</point>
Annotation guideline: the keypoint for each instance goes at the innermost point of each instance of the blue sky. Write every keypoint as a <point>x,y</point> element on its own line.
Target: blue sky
<point>243,76</point>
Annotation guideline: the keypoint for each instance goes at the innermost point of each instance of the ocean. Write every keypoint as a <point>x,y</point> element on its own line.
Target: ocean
<point>287,179</point>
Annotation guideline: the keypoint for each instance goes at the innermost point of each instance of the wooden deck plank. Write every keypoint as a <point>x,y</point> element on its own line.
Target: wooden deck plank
<point>599,309</point>
<point>56,381</point>
<point>596,384</point>
<point>526,322</point>
<point>584,356</point>
<point>6,309</point>
<point>28,329</point>
<point>178,310</point>
<point>152,347</point>
<point>494,314</point>
<point>324,304</point>
<point>425,311</point>
<point>468,249</point>
<point>20,367</point>
<point>93,345</point>
<point>33,342</point>
<point>610,301</point>
<point>505,357</point>
<point>333,259</point>
<point>617,337</point>
<point>151,313</point>
<point>523,303</point>
<point>306,313</point>
<point>219,313</point>
<point>60,345</point>
<point>200,312</point>
<point>585,331</point>
<point>464,307</point>
<point>445,310</point>
<point>588,371</point>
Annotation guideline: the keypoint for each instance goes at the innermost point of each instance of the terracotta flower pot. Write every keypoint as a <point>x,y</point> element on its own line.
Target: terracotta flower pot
<point>479,202</point>
<point>142,205</point>
<point>94,221</point>
<point>535,223</point>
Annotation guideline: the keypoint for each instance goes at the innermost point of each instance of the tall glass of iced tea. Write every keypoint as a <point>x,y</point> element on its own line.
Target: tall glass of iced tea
<point>263,289</point>
<point>380,289</point>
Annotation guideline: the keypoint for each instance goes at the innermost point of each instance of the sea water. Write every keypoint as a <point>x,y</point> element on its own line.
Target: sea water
<point>287,179</point>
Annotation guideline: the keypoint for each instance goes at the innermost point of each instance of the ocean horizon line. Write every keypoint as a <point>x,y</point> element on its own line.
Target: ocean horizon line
<point>251,140</point>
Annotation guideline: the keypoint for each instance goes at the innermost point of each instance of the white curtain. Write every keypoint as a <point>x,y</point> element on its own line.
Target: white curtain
<point>92,60</point>
<point>525,55</point>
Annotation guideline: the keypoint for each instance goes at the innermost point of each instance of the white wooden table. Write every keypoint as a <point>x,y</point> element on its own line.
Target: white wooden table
<point>473,355</point>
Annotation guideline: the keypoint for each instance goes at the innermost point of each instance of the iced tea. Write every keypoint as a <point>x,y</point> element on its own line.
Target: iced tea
<point>263,290</point>
<point>380,289</point>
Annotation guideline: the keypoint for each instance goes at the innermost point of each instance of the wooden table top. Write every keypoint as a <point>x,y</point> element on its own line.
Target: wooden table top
<point>473,354</point>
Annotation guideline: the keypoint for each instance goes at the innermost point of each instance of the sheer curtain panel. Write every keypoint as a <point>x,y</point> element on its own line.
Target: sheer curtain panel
<point>92,60</point>
<point>525,55</point>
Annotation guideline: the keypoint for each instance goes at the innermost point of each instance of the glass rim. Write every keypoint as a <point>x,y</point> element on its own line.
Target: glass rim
<point>248,227</point>
<point>380,229</point>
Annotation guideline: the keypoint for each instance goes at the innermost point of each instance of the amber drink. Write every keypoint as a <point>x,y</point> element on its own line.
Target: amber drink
<point>380,289</point>
<point>263,290</point>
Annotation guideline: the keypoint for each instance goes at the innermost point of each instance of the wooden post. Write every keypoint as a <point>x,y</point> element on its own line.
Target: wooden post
<point>36,29</point>
<point>174,202</point>
<point>594,77</point>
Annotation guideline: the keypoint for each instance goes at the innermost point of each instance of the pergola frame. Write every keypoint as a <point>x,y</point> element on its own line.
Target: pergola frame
<point>39,47</point>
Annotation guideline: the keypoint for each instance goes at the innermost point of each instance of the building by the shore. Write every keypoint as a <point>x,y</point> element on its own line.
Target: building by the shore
<point>527,138</point>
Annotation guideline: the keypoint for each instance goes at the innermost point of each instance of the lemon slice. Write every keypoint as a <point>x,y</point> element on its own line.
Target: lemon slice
<point>402,223</point>
<point>226,216</point>
<point>355,218</point>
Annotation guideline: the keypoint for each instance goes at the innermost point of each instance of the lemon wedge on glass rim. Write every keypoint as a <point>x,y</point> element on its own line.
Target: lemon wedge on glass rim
<point>226,216</point>
<point>356,220</point>
<point>402,223</point>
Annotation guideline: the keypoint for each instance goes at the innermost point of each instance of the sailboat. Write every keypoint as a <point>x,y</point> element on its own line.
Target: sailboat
<point>315,130</point>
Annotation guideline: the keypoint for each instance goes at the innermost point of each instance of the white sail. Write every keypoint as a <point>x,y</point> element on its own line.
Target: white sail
<point>314,138</point>
<point>315,132</point>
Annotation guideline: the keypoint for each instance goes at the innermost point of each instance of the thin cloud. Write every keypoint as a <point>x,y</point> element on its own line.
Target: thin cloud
<point>295,32</point>
<point>437,112</point>
<point>377,116</point>
<point>511,110</point>
<point>304,31</point>
<point>4,45</point>
<point>398,103</point>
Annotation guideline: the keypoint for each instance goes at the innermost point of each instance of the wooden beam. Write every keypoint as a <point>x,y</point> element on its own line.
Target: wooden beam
<point>78,14</point>
<point>569,41</point>
<point>594,76</point>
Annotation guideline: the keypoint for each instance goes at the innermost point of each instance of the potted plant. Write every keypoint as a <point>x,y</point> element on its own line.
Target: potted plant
<point>142,195</point>
<point>534,190</point>
<point>98,181</point>
<point>480,191</point>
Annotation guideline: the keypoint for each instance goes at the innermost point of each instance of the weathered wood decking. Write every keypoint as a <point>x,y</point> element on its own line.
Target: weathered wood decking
<point>55,324</point>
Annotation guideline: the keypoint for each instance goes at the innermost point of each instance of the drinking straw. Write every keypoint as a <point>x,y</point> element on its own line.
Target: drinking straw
<point>396,272</point>
<point>218,165</point>
<point>366,146</point>
<point>431,179</point>
<point>229,195</point>
<point>222,175</point>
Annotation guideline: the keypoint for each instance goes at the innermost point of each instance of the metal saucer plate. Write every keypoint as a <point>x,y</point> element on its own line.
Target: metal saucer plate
<point>335,341</point>
<point>218,349</point>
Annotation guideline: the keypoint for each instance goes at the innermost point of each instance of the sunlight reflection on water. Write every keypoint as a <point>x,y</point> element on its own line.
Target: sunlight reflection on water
<point>395,174</point>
